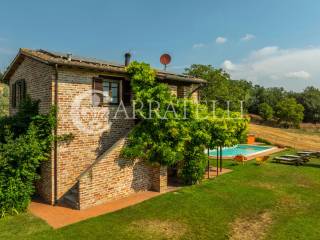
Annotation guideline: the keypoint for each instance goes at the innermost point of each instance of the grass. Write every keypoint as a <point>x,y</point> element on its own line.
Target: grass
<point>297,139</point>
<point>312,132</point>
<point>272,201</point>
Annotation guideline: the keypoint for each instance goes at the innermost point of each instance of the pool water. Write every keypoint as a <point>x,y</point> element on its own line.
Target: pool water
<point>245,150</point>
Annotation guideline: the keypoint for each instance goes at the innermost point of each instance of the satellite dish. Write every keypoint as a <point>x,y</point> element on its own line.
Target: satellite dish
<point>165,59</point>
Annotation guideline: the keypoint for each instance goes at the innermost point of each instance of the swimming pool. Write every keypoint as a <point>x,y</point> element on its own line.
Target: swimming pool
<point>243,149</point>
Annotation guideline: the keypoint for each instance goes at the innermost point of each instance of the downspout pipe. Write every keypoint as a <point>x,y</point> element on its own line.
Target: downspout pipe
<point>55,151</point>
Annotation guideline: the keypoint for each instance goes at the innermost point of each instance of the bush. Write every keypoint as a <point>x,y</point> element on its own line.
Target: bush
<point>19,160</point>
<point>193,167</point>
<point>4,99</point>
<point>25,143</point>
<point>262,140</point>
<point>266,111</point>
<point>20,122</point>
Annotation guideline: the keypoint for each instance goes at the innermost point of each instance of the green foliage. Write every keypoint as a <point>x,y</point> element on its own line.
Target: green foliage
<point>289,112</point>
<point>266,111</point>
<point>25,143</point>
<point>310,99</point>
<point>168,134</point>
<point>262,140</point>
<point>220,87</point>
<point>260,95</point>
<point>4,99</point>
<point>18,124</point>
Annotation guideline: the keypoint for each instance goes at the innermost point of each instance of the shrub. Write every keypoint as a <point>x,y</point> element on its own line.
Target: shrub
<point>266,111</point>
<point>4,99</point>
<point>262,140</point>
<point>19,160</point>
<point>26,139</point>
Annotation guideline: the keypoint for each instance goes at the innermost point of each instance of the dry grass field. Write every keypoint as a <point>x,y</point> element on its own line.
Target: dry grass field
<point>295,139</point>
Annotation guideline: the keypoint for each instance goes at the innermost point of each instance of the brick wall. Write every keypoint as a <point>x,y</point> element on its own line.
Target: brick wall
<point>86,147</point>
<point>38,77</point>
<point>112,177</point>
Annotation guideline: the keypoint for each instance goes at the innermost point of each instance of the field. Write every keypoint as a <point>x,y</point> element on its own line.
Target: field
<point>272,201</point>
<point>299,139</point>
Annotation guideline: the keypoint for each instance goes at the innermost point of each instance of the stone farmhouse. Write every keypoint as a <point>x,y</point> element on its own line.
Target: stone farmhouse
<point>88,170</point>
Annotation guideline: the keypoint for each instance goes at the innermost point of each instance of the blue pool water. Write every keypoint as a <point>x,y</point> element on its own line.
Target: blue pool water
<point>240,149</point>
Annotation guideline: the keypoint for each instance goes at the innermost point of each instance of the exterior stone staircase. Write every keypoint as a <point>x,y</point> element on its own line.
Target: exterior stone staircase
<point>71,198</point>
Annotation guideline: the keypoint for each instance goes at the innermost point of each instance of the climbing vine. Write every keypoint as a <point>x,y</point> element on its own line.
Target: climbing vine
<point>25,142</point>
<point>173,131</point>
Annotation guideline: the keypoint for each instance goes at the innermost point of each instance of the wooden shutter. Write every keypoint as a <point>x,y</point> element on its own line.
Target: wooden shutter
<point>180,91</point>
<point>97,94</point>
<point>126,92</point>
<point>13,95</point>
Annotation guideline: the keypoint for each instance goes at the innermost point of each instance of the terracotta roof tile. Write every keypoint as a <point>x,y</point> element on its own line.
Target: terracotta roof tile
<point>91,63</point>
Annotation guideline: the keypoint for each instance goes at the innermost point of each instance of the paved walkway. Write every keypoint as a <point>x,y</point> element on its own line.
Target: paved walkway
<point>59,216</point>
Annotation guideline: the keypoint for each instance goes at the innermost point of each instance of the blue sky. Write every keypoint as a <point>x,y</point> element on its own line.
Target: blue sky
<point>273,43</point>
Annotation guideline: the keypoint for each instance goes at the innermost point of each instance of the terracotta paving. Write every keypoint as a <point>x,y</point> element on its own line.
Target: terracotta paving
<point>59,216</point>
<point>213,172</point>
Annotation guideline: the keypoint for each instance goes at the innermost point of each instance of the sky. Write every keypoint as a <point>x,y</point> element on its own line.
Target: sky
<point>269,42</point>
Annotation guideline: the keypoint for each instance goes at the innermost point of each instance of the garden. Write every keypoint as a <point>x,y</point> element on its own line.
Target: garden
<point>271,201</point>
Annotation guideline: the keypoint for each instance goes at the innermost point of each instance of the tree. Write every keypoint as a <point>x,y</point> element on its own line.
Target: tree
<point>220,87</point>
<point>310,99</point>
<point>266,111</point>
<point>289,112</point>
<point>260,95</point>
<point>180,136</point>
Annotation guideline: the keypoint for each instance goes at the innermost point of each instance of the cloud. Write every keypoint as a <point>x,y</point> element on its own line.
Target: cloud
<point>264,52</point>
<point>221,40</point>
<point>298,75</point>
<point>198,45</point>
<point>274,66</point>
<point>228,65</point>
<point>248,37</point>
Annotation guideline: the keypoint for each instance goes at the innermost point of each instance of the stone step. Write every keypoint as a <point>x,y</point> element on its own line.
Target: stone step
<point>71,200</point>
<point>73,191</point>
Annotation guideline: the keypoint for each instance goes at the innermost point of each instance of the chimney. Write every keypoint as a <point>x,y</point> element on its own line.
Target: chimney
<point>127,57</point>
<point>69,56</point>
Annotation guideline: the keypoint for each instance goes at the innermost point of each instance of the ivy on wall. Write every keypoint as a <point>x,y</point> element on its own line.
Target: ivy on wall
<point>172,131</point>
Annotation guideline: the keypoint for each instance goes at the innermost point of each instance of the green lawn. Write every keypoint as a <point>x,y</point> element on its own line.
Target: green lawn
<point>272,201</point>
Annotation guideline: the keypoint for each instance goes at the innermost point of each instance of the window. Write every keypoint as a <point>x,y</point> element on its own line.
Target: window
<point>110,91</point>
<point>107,91</point>
<point>19,91</point>
<point>181,91</point>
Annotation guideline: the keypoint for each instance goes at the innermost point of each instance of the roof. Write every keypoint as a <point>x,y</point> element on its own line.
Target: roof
<point>65,59</point>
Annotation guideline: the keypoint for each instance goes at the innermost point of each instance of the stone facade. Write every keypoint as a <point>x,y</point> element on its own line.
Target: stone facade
<point>91,160</point>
